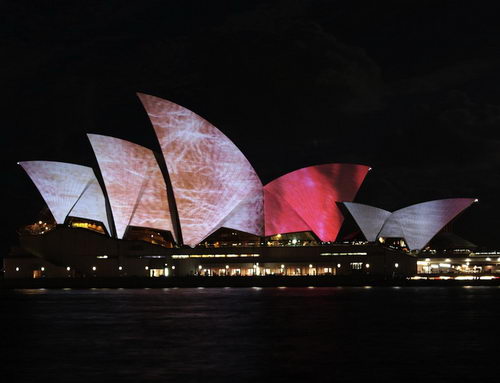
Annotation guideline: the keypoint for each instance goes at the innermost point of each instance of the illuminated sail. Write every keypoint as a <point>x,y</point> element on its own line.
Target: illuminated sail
<point>421,222</point>
<point>136,188</point>
<point>68,189</point>
<point>370,219</point>
<point>312,193</point>
<point>213,182</point>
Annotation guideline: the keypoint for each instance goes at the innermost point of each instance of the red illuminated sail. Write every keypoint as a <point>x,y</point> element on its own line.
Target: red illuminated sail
<point>311,194</point>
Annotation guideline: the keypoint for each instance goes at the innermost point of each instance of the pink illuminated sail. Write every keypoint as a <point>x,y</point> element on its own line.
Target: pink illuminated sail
<point>280,217</point>
<point>68,189</point>
<point>213,183</point>
<point>134,183</point>
<point>312,193</point>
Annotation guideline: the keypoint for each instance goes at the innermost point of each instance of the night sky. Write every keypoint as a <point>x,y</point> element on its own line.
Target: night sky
<point>410,88</point>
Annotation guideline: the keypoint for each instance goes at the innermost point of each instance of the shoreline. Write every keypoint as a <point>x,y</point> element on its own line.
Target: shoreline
<point>220,282</point>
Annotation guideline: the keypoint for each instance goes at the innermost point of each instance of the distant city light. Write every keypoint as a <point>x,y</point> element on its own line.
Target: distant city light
<point>120,268</point>
<point>396,265</point>
<point>17,268</point>
<point>94,268</point>
<point>42,268</point>
<point>367,265</point>
<point>68,268</point>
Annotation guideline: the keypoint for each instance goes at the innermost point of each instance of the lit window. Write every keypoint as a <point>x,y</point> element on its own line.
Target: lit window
<point>356,265</point>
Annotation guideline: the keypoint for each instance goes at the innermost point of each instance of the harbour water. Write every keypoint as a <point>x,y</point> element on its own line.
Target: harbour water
<point>444,334</point>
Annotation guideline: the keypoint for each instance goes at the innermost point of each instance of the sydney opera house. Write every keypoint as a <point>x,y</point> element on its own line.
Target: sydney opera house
<point>198,208</point>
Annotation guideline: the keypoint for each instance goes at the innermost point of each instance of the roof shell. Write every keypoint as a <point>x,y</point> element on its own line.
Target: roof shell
<point>213,183</point>
<point>312,193</point>
<point>68,190</point>
<point>419,223</point>
<point>370,219</point>
<point>135,185</point>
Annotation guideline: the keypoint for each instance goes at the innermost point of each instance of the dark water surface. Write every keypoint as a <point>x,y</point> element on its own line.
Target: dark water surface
<point>249,334</point>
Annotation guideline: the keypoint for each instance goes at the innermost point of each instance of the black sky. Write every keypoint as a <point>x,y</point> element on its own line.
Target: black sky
<point>410,88</point>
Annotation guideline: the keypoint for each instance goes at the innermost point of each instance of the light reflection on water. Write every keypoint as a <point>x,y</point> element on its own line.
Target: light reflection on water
<point>244,334</point>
